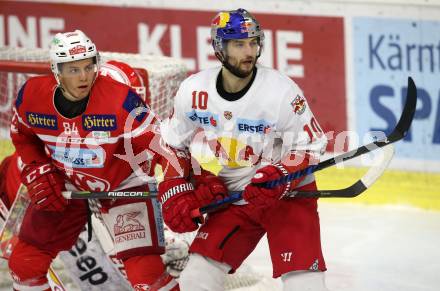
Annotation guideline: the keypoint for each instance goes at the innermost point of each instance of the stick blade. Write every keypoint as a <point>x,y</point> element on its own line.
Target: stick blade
<point>408,112</point>
<point>370,177</point>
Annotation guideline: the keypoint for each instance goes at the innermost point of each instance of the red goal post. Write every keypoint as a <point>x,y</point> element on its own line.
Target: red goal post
<point>162,74</point>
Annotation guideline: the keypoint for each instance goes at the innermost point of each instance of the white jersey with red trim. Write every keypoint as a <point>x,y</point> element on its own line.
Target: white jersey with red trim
<point>108,147</point>
<point>269,121</point>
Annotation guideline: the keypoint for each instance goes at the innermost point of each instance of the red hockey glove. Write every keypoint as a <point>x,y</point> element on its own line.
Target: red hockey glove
<point>178,199</point>
<point>44,184</point>
<point>260,196</point>
<point>291,163</point>
<point>209,187</point>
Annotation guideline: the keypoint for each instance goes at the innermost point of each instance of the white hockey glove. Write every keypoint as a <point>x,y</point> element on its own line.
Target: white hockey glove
<point>176,253</point>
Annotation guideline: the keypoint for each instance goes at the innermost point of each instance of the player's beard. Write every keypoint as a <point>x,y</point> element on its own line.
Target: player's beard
<point>236,71</point>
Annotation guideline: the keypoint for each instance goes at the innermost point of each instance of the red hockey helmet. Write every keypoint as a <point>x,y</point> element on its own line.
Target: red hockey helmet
<point>123,73</point>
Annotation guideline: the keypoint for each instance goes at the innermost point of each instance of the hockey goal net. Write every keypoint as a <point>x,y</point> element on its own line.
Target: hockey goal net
<point>164,75</point>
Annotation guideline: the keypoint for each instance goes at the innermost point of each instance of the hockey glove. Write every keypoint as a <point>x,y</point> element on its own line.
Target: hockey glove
<point>209,187</point>
<point>178,198</point>
<point>44,184</point>
<point>176,253</point>
<point>259,196</point>
<point>291,163</point>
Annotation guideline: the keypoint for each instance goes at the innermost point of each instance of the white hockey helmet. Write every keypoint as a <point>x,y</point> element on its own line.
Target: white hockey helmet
<point>124,73</point>
<point>71,46</point>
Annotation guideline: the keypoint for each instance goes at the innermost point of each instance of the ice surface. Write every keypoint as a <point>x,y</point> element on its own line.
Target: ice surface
<point>384,248</point>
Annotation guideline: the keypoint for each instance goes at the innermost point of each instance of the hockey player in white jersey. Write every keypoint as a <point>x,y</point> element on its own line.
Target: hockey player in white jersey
<point>259,125</point>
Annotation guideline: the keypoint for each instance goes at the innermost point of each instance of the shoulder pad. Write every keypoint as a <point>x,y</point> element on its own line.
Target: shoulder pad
<point>135,106</point>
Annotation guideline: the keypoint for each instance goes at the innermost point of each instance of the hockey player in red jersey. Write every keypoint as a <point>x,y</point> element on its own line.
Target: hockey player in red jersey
<point>75,130</point>
<point>105,272</point>
<point>259,125</point>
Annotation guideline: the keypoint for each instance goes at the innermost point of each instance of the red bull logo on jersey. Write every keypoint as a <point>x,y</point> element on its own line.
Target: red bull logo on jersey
<point>42,120</point>
<point>253,126</point>
<point>299,105</point>
<point>99,122</point>
<point>206,119</point>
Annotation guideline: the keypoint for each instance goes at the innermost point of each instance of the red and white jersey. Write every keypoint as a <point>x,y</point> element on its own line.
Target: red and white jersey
<point>108,147</point>
<point>268,122</point>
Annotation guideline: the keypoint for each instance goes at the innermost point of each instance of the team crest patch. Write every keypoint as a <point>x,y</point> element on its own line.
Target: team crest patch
<point>227,115</point>
<point>299,105</point>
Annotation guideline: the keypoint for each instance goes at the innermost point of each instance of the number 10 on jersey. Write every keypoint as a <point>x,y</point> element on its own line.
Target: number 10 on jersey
<point>199,100</point>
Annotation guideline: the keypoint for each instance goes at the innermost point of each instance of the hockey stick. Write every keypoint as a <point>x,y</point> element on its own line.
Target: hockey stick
<point>352,191</point>
<point>357,188</point>
<point>109,194</point>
